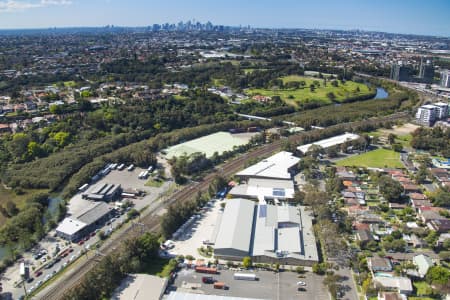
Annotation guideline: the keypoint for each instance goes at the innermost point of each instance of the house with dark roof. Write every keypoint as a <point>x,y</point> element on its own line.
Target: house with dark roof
<point>377,264</point>
<point>439,225</point>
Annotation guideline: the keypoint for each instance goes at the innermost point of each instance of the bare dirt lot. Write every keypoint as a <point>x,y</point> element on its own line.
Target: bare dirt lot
<point>401,130</point>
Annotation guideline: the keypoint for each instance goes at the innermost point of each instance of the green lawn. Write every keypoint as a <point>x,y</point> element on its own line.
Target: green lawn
<point>70,83</point>
<point>304,95</point>
<point>380,158</point>
<point>154,183</point>
<point>404,140</point>
<point>422,288</point>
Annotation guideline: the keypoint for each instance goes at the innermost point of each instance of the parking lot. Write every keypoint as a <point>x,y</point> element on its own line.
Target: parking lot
<point>38,272</point>
<point>269,285</point>
<point>203,229</point>
<point>127,180</point>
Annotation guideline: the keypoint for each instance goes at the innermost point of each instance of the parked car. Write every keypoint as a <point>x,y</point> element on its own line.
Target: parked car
<point>208,279</point>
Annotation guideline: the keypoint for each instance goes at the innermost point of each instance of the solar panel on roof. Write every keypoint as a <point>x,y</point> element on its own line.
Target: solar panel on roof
<point>263,211</point>
<point>278,192</point>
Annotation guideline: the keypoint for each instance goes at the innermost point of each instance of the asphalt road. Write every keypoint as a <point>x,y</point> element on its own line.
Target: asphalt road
<point>42,274</point>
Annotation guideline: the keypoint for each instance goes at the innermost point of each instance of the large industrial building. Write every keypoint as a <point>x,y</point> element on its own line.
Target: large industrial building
<point>265,190</point>
<point>104,192</point>
<point>279,166</point>
<point>330,142</point>
<point>267,233</point>
<point>74,228</point>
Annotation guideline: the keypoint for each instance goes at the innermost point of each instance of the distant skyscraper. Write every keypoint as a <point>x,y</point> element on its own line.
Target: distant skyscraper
<point>399,72</point>
<point>445,79</point>
<point>426,71</point>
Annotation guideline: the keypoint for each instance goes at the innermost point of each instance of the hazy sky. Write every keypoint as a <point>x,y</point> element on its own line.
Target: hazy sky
<point>403,16</point>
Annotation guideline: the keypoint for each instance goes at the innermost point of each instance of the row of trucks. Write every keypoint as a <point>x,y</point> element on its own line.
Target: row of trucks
<point>216,284</point>
<point>144,174</point>
<point>210,279</point>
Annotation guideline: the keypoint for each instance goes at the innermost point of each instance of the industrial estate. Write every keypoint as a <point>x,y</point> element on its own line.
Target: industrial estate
<point>200,161</point>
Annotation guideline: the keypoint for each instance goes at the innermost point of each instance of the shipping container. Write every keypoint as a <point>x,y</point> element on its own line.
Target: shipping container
<point>219,285</point>
<point>244,276</point>
<point>206,270</point>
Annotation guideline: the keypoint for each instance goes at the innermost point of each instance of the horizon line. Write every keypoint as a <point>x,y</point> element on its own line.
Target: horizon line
<point>230,26</point>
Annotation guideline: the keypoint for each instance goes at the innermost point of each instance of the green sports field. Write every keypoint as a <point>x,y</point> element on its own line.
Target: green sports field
<point>216,142</point>
<point>380,158</point>
<point>294,96</point>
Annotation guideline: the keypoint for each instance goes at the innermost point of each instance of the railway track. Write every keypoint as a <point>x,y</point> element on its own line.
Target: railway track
<point>151,222</point>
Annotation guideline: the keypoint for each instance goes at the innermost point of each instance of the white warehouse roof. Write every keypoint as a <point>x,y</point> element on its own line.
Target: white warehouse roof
<point>266,230</point>
<point>326,143</point>
<point>262,189</point>
<point>276,166</point>
<point>236,227</point>
<point>70,226</point>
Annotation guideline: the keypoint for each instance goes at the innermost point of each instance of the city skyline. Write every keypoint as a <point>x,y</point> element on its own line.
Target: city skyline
<point>406,17</point>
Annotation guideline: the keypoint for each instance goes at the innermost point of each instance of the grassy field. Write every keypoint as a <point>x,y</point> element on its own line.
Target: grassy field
<point>304,95</point>
<point>380,158</point>
<point>70,83</point>
<point>19,200</point>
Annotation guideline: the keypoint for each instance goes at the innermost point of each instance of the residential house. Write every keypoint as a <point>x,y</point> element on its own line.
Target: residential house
<point>417,242</point>
<point>397,206</point>
<point>410,188</point>
<point>4,128</point>
<point>442,238</point>
<point>30,105</point>
<point>439,225</point>
<point>377,264</point>
<point>391,296</point>
<point>345,175</point>
<point>426,214</point>
<point>262,99</point>
<point>420,203</point>
<point>401,285</point>
<point>423,263</point>
<point>364,236</point>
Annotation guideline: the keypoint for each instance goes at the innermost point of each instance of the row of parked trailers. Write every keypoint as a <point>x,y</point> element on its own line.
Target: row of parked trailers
<point>105,171</point>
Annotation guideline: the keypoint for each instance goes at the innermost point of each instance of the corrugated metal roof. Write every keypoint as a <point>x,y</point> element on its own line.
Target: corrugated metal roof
<point>333,141</point>
<point>236,227</point>
<point>95,212</point>
<point>276,166</point>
